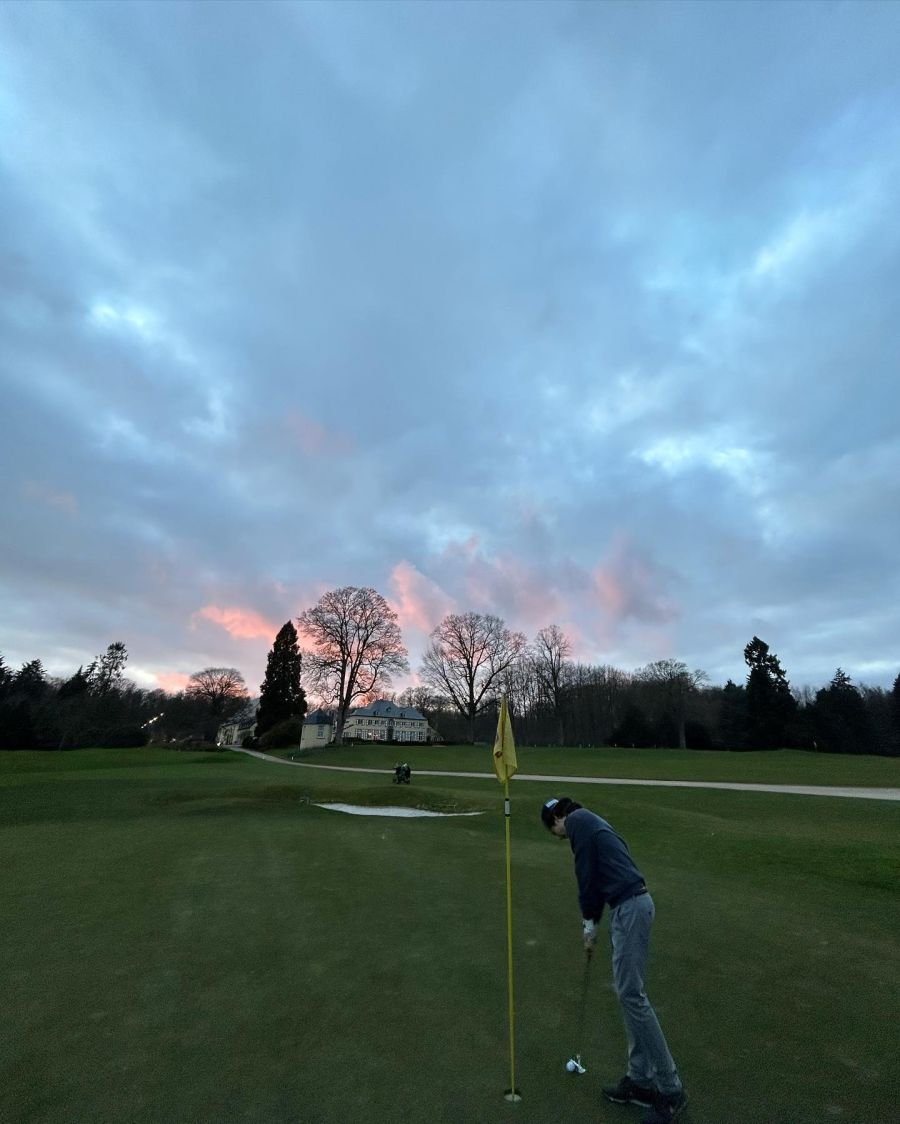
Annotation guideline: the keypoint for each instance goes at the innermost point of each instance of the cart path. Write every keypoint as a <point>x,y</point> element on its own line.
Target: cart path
<point>792,789</point>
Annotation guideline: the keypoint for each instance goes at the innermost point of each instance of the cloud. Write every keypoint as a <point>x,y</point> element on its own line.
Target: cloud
<point>583,313</point>
<point>171,681</point>
<point>64,501</point>
<point>630,586</point>
<point>419,603</point>
<point>314,438</point>
<point>245,624</point>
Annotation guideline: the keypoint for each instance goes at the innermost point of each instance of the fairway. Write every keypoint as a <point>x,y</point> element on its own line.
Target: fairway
<point>189,938</point>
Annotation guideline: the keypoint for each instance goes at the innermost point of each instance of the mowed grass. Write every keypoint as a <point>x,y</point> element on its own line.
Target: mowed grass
<point>785,766</point>
<point>188,938</point>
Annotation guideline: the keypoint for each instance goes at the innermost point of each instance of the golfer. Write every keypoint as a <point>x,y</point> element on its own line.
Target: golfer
<point>607,875</point>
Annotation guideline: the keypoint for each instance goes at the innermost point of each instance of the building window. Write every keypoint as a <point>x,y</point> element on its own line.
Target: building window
<point>320,731</point>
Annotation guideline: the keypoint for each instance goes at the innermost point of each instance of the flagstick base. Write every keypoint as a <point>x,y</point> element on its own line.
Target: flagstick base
<point>512,1095</point>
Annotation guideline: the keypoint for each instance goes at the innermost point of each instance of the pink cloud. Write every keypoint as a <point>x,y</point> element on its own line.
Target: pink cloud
<point>538,602</point>
<point>244,624</point>
<point>418,602</point>
<point>583,647</point>
<point>625,598</point>
<point>64,501</point>
<point>172,681</point>
<point>627,593</point>
<point>313,437</point>
<point>506,586</point>
<point>630,585</point>
<point>610,592</point>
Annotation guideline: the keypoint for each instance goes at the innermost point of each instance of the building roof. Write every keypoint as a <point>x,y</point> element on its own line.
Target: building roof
<point>384,708</point>
<point>319,718</point>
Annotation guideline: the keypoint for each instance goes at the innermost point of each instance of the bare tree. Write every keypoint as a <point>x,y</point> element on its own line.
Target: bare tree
<point>468,654</point>
<point>674,684</point>
<point>421,698</point>
<point>550,661</point>
<point>424,699</point>
<point>595,697</point>
<point>356,647</point>
<point>519,683</point>
<point>220,687</point>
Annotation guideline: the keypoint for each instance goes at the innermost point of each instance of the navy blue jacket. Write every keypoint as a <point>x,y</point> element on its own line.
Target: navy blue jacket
<point>603,864</point>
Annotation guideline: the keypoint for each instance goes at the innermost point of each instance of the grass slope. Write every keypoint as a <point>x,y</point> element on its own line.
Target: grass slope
<point>191,939</point>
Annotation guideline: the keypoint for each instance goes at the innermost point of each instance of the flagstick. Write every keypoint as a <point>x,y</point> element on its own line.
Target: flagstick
<point>513,1094</point>
<point>505,765</point>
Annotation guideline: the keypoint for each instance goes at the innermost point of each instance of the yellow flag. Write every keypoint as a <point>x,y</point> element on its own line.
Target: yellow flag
<point>505,764</point>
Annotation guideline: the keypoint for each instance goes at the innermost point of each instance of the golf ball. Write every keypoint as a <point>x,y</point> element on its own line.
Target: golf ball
<point>571,1066</point>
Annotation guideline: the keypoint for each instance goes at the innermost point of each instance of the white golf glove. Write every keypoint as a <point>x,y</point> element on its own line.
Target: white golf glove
<point>589,932</point>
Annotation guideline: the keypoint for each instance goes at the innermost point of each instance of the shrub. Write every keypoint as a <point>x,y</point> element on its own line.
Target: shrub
<point>124,737</point>
<point>193,745</point>
<point>285,734</point>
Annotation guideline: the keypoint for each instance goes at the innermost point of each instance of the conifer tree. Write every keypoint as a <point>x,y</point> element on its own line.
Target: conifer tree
<point>895,714</point>
<point>842,722</point>
<point>770,704</point>
<point>281,694</point>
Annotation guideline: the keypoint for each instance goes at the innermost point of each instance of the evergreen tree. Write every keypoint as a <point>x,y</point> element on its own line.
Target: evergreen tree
<point>770,704</point>
<point>108,668</point>
<point>633,731</point>
<point>895,714</point>
<point>16,725</point>
<point>733,716</point>
<point>877,702</point>
<point>20,698</point>
<point>841,721</point>
<point>281,695</point>
<point>30,680</point>
<point>78,684</point>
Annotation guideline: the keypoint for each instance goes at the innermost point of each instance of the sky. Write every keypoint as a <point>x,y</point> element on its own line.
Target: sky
<point>576,314</point>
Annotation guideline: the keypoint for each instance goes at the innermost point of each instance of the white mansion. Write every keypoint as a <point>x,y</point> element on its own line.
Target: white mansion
<point>382,721</point>
<point>385,721</point>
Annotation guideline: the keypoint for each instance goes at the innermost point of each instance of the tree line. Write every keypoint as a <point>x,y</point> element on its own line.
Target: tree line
<point>98,706</point>
<point>353,650</point>
<point>558,701</point>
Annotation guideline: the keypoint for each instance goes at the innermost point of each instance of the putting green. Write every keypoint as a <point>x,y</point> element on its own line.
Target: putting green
<point>191,939</point>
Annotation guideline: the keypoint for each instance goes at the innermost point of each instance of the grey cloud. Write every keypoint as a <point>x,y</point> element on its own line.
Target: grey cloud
<point>291,293</point>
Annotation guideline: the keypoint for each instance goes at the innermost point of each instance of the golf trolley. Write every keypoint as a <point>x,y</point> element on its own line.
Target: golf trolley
<point>402,774</point>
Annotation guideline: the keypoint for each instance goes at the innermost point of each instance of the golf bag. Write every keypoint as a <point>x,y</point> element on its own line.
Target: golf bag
<point>402,774</point>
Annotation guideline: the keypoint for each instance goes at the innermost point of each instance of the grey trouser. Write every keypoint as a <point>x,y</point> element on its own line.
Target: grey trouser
<point>649,1062</point>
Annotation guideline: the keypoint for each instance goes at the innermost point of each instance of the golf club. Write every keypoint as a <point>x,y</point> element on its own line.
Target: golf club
<point>573,1065</point>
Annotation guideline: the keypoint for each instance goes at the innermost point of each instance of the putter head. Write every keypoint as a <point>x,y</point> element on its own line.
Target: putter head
<point>573,1065</point>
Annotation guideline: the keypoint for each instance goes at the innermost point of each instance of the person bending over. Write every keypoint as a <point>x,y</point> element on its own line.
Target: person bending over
<point>607,876</point>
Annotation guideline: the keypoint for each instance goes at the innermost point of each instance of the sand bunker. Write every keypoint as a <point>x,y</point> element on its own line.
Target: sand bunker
<point>362,810</point>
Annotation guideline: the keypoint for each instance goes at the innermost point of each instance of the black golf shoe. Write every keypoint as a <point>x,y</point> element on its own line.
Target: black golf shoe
<point>666,1108</point>
<point>629,1092</point>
